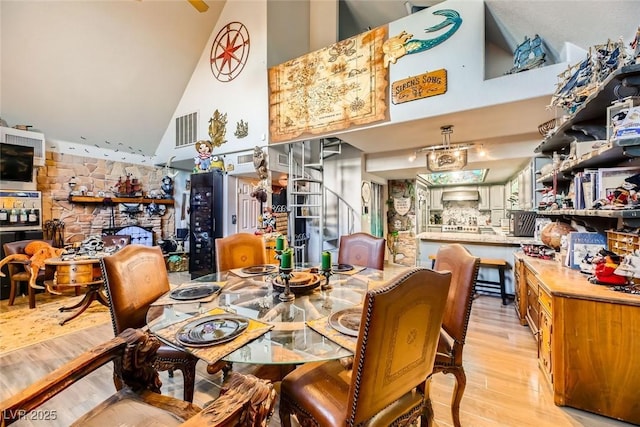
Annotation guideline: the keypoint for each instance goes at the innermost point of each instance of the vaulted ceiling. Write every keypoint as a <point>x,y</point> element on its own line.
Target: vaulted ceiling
<point>97,72</point>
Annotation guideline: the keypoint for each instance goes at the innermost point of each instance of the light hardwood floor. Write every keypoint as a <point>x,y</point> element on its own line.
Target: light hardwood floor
<point>504,384</point>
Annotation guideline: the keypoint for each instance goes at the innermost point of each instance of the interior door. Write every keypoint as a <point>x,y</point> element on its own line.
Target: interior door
<point>248,208</point>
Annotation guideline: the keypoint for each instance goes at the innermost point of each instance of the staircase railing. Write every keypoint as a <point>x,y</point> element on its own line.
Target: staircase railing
<point>339,219</point>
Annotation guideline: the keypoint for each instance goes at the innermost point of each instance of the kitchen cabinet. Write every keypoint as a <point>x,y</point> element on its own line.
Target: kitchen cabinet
<point>484,201</point>
<point>572,317</point>
<point>435,199</point>
<point>496,195</point>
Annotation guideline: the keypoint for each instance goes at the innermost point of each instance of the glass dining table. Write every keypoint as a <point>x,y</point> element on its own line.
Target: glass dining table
<point>290,340</point>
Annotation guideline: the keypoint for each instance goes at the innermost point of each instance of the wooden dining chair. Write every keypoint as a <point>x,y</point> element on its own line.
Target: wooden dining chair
<point>464,267</point>
<point>362,249</point>
<point>240,250</point>
<point>243,399</point>
<point>134,277</point>
<point>394,355</point>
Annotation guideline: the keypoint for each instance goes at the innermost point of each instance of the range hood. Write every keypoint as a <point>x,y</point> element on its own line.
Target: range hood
<point>460,195</point>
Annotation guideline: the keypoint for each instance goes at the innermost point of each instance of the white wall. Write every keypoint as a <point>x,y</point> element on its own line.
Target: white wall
<point>244,98</point>
<point>463,56</point>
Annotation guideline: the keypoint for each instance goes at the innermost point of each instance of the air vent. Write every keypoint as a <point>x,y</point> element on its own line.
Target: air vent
<point>186,130</point>
<point>245,158</point>
<point>26,139</point>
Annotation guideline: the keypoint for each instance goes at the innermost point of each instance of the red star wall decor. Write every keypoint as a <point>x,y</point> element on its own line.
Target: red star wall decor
<point>230,51</point>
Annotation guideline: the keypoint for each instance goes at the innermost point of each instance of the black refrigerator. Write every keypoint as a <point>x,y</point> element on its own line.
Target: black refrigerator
<point>205,221</point>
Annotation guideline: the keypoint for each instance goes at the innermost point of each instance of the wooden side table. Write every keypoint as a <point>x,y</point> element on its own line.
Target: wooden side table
<point>78,273</point>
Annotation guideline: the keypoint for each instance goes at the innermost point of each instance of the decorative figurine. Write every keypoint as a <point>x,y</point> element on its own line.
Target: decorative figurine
<point>268,221</point>
<point>203,159</point>
<point>167,181</point>
<point>528,55</point>
<point>217,163</point>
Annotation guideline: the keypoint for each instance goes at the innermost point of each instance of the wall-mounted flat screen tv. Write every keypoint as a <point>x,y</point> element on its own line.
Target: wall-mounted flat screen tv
<point>16,163</point>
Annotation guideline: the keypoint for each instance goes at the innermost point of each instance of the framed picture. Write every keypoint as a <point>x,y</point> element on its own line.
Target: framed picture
<point>446,160</point>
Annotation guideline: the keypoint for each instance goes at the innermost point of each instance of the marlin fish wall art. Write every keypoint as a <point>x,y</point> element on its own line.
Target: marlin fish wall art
<point>402,44</point>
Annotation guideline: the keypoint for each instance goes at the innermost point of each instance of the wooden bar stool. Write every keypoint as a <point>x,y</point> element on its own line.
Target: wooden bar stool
<point>489,286</point>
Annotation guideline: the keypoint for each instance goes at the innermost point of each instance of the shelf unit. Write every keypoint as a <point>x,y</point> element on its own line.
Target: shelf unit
<point>110,200</point>
<point>593,108</point>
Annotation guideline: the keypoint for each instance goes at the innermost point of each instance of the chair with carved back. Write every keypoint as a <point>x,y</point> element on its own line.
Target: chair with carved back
<point>362,249</point>
<point>389,381</point>
<point>240,250</point>
<point>464,267</point>
<point>19,271</point>
<point>136,276</point>
<point>243,399</point>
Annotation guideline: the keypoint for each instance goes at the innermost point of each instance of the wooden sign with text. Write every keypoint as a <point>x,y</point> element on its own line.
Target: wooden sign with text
<point>418,87</point>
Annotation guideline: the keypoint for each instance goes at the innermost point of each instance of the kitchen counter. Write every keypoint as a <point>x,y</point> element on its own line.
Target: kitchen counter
<point>496,246</point>
<point>488,239</point>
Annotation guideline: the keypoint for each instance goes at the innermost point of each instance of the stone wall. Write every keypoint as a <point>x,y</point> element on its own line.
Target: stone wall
<point>401,219</point>
<point>97,175</point>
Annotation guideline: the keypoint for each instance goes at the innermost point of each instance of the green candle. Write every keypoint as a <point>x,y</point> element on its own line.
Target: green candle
<point>279,243</point>
<point>326,260</point>
<point>285,259</point>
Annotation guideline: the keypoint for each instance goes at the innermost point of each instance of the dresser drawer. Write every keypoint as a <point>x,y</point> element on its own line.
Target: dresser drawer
<point>545,300</point>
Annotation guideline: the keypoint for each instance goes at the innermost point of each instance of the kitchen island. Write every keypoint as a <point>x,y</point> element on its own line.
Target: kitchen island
<point>496,246</point>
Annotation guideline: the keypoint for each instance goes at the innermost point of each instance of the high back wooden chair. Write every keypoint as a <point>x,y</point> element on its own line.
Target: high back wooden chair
<point>243,400</point>
<point>240,250</point>
<point>464,272</point>
<point>19,272</point>
<point>134,277</point>
<point>394,355</point>
<point>362,249</point>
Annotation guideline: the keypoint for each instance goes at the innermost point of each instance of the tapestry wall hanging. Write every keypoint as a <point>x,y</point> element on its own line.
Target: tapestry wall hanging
<point>330,89</point>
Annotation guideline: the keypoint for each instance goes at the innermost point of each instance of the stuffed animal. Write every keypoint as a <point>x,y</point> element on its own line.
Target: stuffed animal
<point>605,268</point>
<point>34,253</point>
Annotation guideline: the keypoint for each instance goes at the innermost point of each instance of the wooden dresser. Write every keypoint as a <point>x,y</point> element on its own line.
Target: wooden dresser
<point>588,337</point>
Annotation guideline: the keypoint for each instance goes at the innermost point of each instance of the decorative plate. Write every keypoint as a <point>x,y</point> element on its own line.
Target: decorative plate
<point>339,268</point>
<point>259,269</point>
<point>346,321</point>
<point>211,330</point>
<point>300,283</point>
<point>194,292</point>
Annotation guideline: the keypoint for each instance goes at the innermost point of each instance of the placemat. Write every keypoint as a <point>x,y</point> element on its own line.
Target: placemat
<point>356,269</point>
<point>322,327</point>
<point>238,272</point>
<point>167,300</point>
<point>214,353</point>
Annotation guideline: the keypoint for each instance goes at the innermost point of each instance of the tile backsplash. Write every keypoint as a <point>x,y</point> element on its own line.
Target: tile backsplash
<point>464,213</point>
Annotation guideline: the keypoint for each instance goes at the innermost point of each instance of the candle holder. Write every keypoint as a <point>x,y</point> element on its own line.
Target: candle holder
<point>327,274</point>
<point>278,254</point>
<point>285,276</point>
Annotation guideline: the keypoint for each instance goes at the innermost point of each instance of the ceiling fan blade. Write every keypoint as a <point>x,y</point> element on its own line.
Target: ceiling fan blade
<point>200,5</point>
